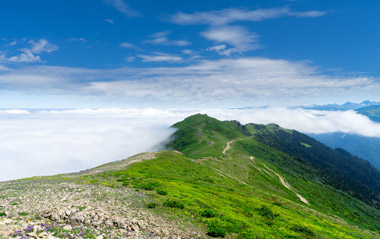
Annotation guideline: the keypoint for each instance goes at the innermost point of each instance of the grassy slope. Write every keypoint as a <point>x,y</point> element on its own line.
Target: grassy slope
<point>224,204</point>
<point>235,195</point>
<point>203,136</point>
<point>303,177</point>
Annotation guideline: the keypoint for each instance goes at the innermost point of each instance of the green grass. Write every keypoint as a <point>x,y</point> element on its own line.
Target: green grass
<point>203,136</point>
<point>224,205</point>
<point>306,145</point>
<point>238,195</point>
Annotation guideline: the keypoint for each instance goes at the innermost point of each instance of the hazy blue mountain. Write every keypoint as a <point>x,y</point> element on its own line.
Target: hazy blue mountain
<point>365,147</point>
<point>342,107</point>
<point>372,112</point>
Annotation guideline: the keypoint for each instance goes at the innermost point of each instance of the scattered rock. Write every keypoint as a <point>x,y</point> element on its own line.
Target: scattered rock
<point>68,227</point>
<point>75,205</point>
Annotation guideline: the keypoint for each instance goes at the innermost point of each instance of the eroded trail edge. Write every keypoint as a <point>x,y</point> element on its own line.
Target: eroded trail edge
<point>228,146</point>
<point>287,185</point>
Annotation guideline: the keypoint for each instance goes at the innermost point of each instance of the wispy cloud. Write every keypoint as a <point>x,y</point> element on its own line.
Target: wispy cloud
<point>127,45</point>
<point>188,51</point>
<point>4,68</point>
<point>30,54</point>
<point>80,39</point>
<point>161,38</point>
<point>41,46</point>
<point>23,57</point>
<point>130,58</point>
<point>124,8</point>
<point>238,37</point>
<point>227,16</point>
<point>110,21</point>
<point>229,82</point>
<point>160,57</point>
<point>241,40</point>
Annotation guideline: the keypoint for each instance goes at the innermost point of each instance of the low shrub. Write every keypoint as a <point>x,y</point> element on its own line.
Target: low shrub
<point>162,192</point>
<point>209,213</point>
<point>215,230</point>
<point>174,203</point>
<point>2,214</point>
<point>303,230</point>
<point>266,212</point>
<point>277,204</point>
<point>148,186</point>
<point>151,205</point>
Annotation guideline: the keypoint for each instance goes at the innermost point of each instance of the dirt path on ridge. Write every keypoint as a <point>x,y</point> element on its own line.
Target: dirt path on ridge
<point>287,185</point>
<point>282,180</point>
<point>228,146</point>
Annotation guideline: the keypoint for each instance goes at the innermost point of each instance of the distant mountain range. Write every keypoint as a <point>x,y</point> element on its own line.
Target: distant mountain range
<point>365,147</point>
<point>362,146</point>
<point>342,107</point>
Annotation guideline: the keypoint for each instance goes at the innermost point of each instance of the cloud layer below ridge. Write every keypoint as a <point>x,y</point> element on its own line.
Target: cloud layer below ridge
<point>46,142</point>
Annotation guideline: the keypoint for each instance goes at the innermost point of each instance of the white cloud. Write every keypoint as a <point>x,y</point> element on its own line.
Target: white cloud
<point>238,37</point>
<point>121,6</point>
<point>14,111</point>
<point>110,21</point>
<point>226,16</point>
<point>188,52</point>
<point>221,49</point>
<point>23,57</point>
<point>81,39</point>
<point>29,54</point>
<point>258,80</point>
<point>49,142</point>
<point>58,141</point>
<point>305,121</point>
<point>228,82</point>
<point>4,68</point>
<point>161,38</point>
<point>160,57</point>
<point>127,45</point>
<point>41,46</point>
<point>130,58</point>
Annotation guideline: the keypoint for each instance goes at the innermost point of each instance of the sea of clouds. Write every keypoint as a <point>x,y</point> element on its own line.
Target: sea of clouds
<point>47,142</point>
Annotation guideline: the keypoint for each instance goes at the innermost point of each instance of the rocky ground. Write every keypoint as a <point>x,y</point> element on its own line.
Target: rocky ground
<point>57,209</point>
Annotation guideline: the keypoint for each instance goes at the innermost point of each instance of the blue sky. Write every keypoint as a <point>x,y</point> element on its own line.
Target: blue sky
<point>143,65</point>
<point>187,54</point>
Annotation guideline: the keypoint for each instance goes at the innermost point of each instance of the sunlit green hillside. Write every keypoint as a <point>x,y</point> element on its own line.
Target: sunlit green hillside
<point>251,181</point>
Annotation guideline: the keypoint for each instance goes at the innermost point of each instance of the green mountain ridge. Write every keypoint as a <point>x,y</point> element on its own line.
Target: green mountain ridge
<point>248,181</point>
<point>206,136</point>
